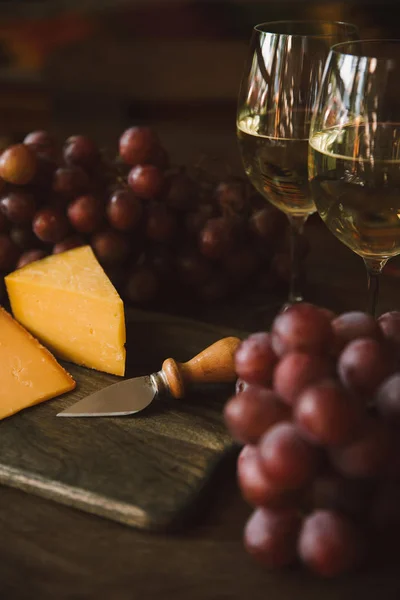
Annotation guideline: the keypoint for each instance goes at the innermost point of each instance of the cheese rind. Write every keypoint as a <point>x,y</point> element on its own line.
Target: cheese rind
<point>29,374</point>
<point>69,304</point>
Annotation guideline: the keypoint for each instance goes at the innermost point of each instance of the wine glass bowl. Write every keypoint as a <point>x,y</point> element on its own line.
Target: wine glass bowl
<point>278,93</point>
<point>354,152</point>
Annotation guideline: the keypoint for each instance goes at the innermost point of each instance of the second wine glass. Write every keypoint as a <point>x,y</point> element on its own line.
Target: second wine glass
<point>277,96</point>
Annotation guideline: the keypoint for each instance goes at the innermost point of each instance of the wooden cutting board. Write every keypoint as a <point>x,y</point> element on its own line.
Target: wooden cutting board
<point>148,471</point>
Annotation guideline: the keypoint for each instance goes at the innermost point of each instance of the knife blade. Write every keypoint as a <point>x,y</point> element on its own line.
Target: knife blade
<point>215,364</point>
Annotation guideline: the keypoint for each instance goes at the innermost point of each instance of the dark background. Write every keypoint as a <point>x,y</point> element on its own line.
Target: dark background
<point>97,66</point>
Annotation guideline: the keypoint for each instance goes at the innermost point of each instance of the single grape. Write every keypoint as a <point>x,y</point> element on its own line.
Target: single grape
<point>256,488</point>
<point>18,164</point>
<point>142,286</point>
<point>111,247</point>
<point>124,210</point>
<point>19,207</point>
<point>363,365</point>
<point>217,238</point>
<point>29,257</point>
<point>296,371</point>
<point>81,151</point>
<point>268,224</point>
<point>328,313</point>
<point>50,225</point>
<point>161,224</point>
<point>350,497</point>
<point>9,253</point>
<point>4,224</point>
<point>231,195</point>
<point>42,183</point>
<point>73,241</point>
<point>85,213</point>
<point>70,182</point>
<point>352,325</point>
<point>146,181</point>
<point>388,399</point>
<point>255,359</point>
<point>271,536</point>
<point>194,270</point>
<point>329,543</point>
<point>137,145</point>
<point>326,415</point>
<point>367,455</point>
<point>195,221</point>
<point>182,194</point>
<point>250,414</point>
<point>42,143</point>
<point>389,324</point>
<point>302,327</point>
<point>287,458</point>
<point>24,238</point>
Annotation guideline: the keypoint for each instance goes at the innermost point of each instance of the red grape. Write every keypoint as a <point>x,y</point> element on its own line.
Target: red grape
<point>271,536</point>
<point>42,143</point>
<point>3,223</point>
<point>18,164</point>
<point>250,414</point>
<point>217,238</point>
<point>363,365</point>
<point>159,158</point>
<point>287,458</point>
<point>268,225</point>
<point>255,359</point>
<point>388,399</point>
<point>367,455</point>
<point>19,207</point>
<point>124,210</point>
<point>326,415</point>
<point>137,145</point>
<point>328,313</point>
<point>389,324</point>
<point>352,325</point>
<point>302,327</point>
<point>85,213</point>
<point>231,195</point>
<point>110,247</point>
<point>195,221</point>
<point>24,238</point>
<point>329,543</point>
<point>29,257</point>
<point>161,224</point>
<point>50,225</point>
<point>70,182</point>
<point>142,286</point>
<point>194,270</point>
<point>182,192</point>
<point>81,151</point>
<point>9,253</point>
<point>146,181</point>
<point>297,370</point>
<point>342,494</point>
<point>43,180</point>
<point>73,241</point>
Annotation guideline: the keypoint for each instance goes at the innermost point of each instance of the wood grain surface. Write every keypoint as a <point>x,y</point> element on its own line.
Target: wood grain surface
<point>146,471</point>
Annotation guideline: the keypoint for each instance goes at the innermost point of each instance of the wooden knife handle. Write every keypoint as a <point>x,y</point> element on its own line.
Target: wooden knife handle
<point>215,364</point>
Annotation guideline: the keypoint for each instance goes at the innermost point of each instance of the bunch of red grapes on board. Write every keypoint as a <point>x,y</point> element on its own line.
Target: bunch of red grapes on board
<point>153,226</point>
<point>317,407</point>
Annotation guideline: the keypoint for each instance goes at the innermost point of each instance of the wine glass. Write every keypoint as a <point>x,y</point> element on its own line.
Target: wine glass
<point>277,96</point>
<point>354,152</point>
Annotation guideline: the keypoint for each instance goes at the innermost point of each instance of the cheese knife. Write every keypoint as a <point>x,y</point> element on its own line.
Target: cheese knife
<point>215,364</point>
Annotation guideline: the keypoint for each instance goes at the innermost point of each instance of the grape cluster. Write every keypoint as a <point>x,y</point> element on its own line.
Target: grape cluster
<point>151,225</point>
<point>317,408</point>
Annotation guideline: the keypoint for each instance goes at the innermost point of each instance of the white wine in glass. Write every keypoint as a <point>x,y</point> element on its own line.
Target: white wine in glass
<point>354,152</point>
<point>276,101</point>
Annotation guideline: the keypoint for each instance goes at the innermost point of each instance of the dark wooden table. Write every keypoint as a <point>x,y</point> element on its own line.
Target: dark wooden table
<point>52,552</point>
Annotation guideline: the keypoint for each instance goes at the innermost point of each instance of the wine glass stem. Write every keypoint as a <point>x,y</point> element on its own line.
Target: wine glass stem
<point>296,229</point>
<point>374,270</point>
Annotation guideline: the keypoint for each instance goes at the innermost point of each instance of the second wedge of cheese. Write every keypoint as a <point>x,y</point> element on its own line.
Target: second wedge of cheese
<point>69,304</point>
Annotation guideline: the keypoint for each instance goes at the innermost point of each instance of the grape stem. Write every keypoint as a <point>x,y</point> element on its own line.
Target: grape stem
<point>374,268</point>
<point>296,229</point>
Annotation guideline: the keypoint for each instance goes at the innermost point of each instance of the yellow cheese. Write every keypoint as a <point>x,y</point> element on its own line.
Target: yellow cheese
<point>29,374</point>
<point>69,304</point>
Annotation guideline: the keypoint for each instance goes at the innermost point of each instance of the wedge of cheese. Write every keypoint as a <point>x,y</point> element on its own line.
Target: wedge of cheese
<point>69,304</point>
<point>29,374</point>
